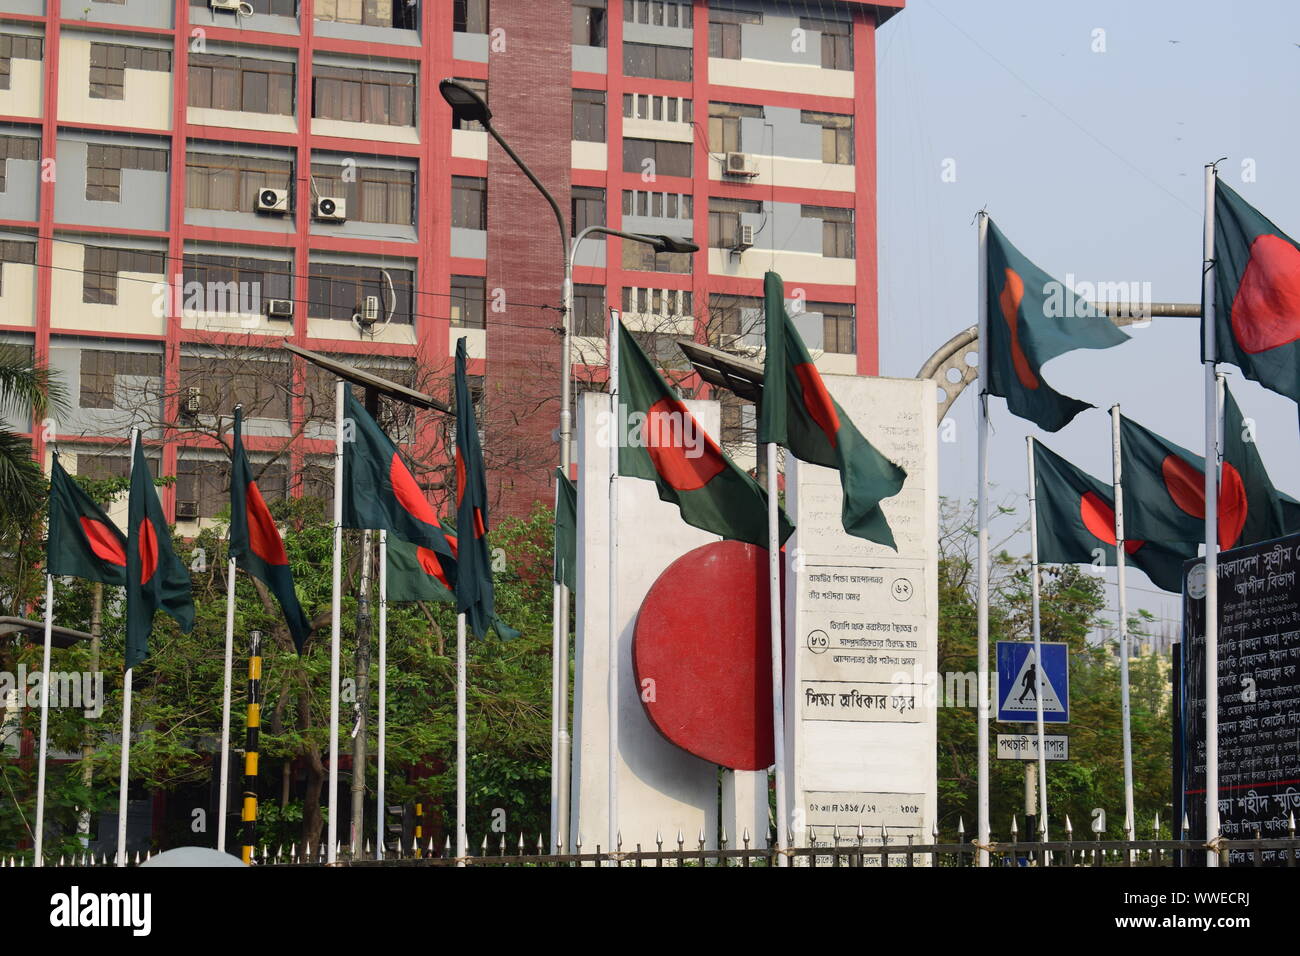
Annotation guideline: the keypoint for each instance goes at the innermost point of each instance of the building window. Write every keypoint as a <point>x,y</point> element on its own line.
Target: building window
<point>231,183</point>
<point>15,47</point>
<point>725,32</point>
<point>481,88</point>
<point>837,229</point>
<point>99,466</point>
<point>220,383</point>
<point>17,147</point>
<point>725,125</point>
<point>588,204</point>
<point>659,13</point>
<point>241,83</point>
<point>671,109</point>
<point>15,250</point>
<point>589,310</point>
<point>589,116</point>
<point>639,257</point>
<point>380,97</point>
<point>109,61</point>
<point>340,292</point>
<point>100,369</point>
<point>657,62</point>
<point>469,16</point>
<point>664,302</point>
<point>373,194</point>
<point>102,265</point>
<point>656,157</point>
<point>104,165</point>
<point>638,202</point>
<point>231,282</point>
<point>837,41</point>
<point>370,13</point>
<point>838,328</point>
<point>468,202</point>
<point>468,295</point>
<point>837,135</point>
<point>589,23</point>
<point>724,220</point>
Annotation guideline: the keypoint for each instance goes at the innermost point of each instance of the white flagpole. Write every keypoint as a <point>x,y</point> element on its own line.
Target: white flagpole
<point>38,858</point>
<point>225,707</point>
<point>615,321</point>
<point>462,837</point>
<point>1211,532</point>
<point>331,849</point>
<point>1130,817</point>
<point>556,681</point>
<point>382,814</point>
<point>125,767</point>
<point>774,627</point>
<point>982,572</point>
<point>1038,641</point>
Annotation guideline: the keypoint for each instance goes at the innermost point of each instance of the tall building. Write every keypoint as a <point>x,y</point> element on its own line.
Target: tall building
<point>186,185</point>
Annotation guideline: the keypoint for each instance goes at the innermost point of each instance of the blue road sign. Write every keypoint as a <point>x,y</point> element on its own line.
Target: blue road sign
<point>1017,683</point>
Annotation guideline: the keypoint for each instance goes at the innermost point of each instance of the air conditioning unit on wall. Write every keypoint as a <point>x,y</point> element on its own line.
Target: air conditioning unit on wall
<point>273,201</point>
<point>745,239</point>
<point>331,209</point>
<point>741,165</point>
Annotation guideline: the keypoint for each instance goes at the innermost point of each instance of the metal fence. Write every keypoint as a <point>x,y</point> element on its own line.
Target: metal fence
<point>828,850</point>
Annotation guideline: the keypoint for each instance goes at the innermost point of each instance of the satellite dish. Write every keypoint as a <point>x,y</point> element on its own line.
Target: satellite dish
<point>194,856</point>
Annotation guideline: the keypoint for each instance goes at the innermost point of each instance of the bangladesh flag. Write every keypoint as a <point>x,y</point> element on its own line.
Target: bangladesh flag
<point>474,596</point>
<point>155,577</point>
<point>1290,512</point>
<point>255,542</point>
<point>379,491</point>
<point>1076,524</point>
<point>82,541</point>
<point>415,573</point>
<point>660,440</point>
<point>566,531</point>
<point>1256,295</point>
<point>1164,487</point>
<point>799,413</point>
<point>1033,318</point>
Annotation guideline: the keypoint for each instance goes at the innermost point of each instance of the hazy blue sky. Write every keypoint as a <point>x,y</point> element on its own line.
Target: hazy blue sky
<point>1090,163</point>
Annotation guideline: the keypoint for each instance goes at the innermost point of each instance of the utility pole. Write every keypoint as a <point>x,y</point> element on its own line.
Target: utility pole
<point>88,738</point>
<point>362,674</point>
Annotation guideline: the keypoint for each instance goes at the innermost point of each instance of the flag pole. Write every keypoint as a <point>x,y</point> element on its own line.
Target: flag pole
<point>382,813</point>
<point>38,858</point>
<point>125,767</point>
<point>224,789</point>
<point>615,322</point>
<point>1211,530</point>
<point>331,848</point>
<point>462,837</point>
<point>1130,817</point>
<point>982,572</point>
<point>555,700</point>
<point>1035,604</point>
<point>774,627</point>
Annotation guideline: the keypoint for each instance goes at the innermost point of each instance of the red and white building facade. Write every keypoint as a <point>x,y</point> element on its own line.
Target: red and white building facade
<point>138,139</point>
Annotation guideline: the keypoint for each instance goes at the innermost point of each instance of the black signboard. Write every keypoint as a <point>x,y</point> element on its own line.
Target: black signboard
<point>1259,692</point>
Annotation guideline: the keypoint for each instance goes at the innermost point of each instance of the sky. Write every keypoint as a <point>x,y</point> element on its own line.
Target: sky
<point>1083,129</point>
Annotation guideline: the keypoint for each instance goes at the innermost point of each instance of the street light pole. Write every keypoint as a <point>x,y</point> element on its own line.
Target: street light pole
<point>467,104</point>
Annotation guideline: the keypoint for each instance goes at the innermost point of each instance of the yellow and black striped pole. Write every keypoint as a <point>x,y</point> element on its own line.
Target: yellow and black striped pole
<point>419,830</point>
<point>251,743</point>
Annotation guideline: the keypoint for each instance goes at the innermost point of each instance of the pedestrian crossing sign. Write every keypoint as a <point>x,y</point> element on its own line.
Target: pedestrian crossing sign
<point>1019,680</point>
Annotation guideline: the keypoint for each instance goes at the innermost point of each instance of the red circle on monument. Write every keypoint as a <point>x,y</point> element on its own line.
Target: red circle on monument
<point>702,655</point>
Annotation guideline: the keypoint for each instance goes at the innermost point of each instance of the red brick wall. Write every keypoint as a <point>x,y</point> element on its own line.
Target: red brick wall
<point>528,91</point>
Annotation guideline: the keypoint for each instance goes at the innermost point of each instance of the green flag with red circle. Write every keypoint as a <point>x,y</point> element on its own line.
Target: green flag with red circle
<point>155,577</point>
<point>798,413</point>
<point>255,541</point>
<point>1076,524</point>
<point>660,440</point>
<point>82,540</point>
<point>379,491</point>
<point>1256,295</point>
<point>415,573</point>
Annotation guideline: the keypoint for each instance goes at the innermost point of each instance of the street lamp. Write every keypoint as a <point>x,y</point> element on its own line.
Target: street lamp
<point>467,105</point>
